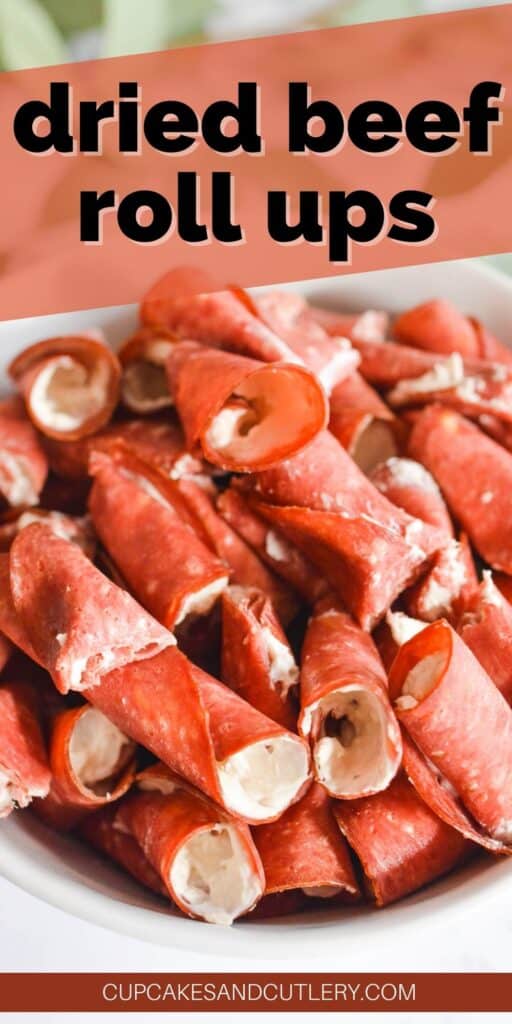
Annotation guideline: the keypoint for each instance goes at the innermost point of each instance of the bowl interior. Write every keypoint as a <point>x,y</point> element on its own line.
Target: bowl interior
<point>61,871</point>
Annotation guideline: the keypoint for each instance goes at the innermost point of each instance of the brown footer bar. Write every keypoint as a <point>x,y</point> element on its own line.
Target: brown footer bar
<point>248,992</point>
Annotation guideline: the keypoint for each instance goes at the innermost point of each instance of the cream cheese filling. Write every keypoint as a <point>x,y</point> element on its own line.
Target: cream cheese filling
<point>213,877</point>
<point>261,780</point>
<point>446,374</point>
<point>403,627</point>
<point>283,670</point>
<point>322,892</point>
<point>232,422</point>
<point>144,386</point>
<point>97,748</point>
<point>421,680</point>
<point>17,482</point>
<point>200,602</point>
<point>351,753</point>
<point>65,394</point>
<point>12,794</point>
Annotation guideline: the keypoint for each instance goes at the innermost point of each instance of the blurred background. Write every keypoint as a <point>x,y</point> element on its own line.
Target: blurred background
<point>45,32</point>
<point>42,32</point>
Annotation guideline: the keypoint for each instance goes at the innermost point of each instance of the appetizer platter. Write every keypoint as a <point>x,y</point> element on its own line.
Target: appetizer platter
<point>255,618</point>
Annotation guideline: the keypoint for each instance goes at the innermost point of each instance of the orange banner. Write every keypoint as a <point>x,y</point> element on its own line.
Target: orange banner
<point>251,992</point>
<point>264,160</point>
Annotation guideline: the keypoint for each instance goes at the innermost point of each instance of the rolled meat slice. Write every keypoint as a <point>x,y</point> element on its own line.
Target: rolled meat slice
<point>443,800</point>
<point>166,566</point>
<point>396,629</point>
<point>387,364</point>
<point>497,429</point>
<point>158,442</point>
<point>206,859</point>
<point>372,325</point>
<point>272,546</point>
<point>24,769</point>
<point>304,851</point>
<point>70,385</point>
<point>368,549</point>
<point>483,392</point>
<point>23,463</point>
<point>460,721</point>
<point>257,661</point>
<point>384,364</point>
<point>475,476</point>
<point>488,346</point>
<point>79,625</point>
<point>92,764</point>
<point>504,584</point>
<point>144,382</point>
<point>247,569</point>
<point>245,414</point>
<point>362,422</point>
<point>288,315</point>
<point>186,718</point>
<point>207,734</point>
<point>409,485</point>
<point>77,529</point>
<point>10,624</point>
<point>451,579</point>
<point>448,587</point>
<point>439,326</point>
<point>186,302</point>
<point>486,628</point>
<point>401,844</point>
<point>100,831</point>
<point>345,711</point>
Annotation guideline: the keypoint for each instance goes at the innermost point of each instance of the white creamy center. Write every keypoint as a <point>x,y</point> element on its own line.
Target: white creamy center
<point>351,753</point>
<point>262,779</point>
<point>97,748</point>
<point>212,875</point>
<point>144,386</point>
<point>283,670</point>
<point>65,394</point>
<point>403,627</point>
<point>231,422</point>
<point>17,484</point>
<point>322,892</point>
<point>11,793</point>
<point>200,602</point>
<point>421,680</point>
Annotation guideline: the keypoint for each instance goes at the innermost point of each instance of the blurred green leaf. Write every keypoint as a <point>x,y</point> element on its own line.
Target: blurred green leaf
<point>187,17</point>
<point>74,15</point>
<point>352,12</point>
<point>132,26</point>
<point>28,36</point>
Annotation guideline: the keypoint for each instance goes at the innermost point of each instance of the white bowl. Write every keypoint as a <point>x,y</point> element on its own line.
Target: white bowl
<point>67,875</point>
